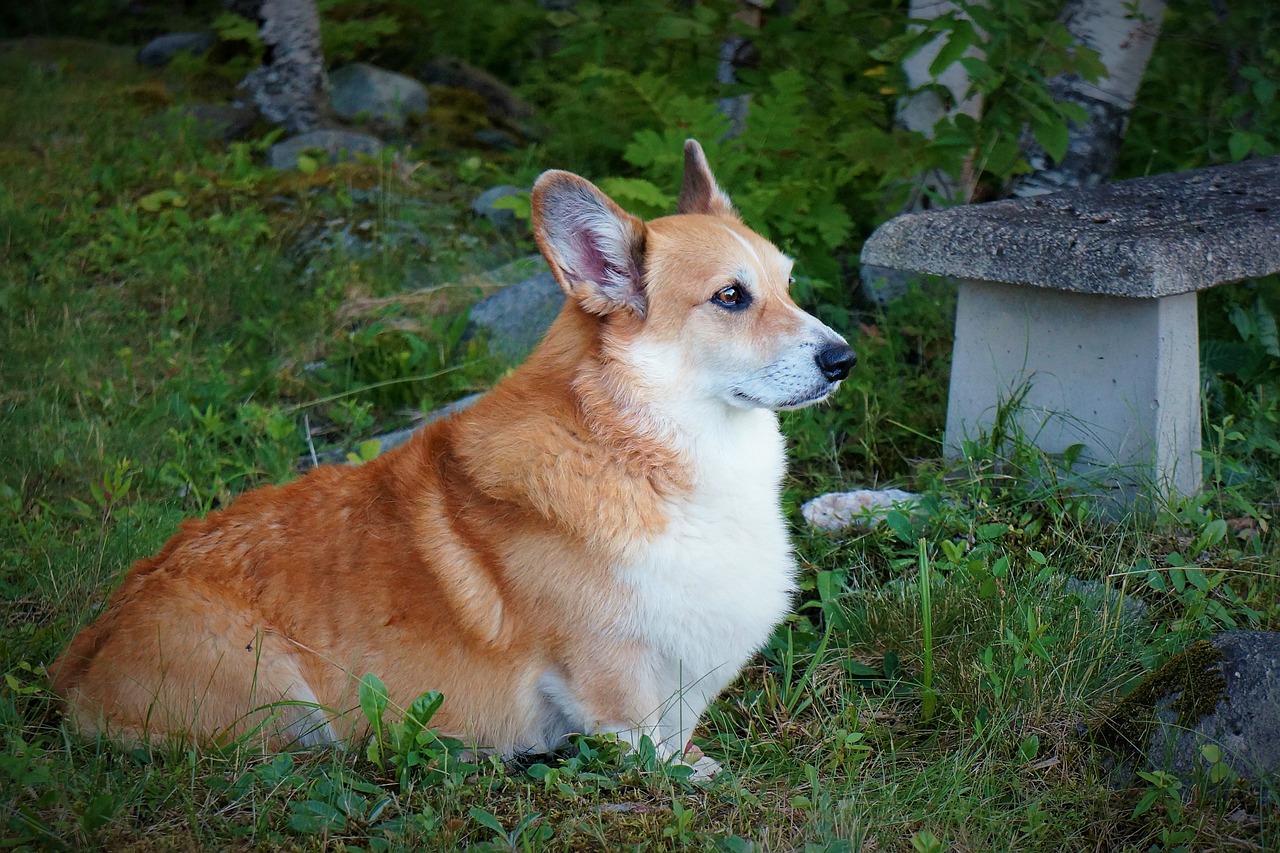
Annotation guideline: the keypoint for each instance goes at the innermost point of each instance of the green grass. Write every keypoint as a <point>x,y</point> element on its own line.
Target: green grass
<point>165,347</point>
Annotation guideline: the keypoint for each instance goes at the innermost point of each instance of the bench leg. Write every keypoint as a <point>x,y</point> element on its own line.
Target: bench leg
<point>1119,376</point>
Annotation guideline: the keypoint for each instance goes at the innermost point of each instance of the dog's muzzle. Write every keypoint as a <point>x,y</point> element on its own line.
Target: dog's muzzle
<point>835,360</point>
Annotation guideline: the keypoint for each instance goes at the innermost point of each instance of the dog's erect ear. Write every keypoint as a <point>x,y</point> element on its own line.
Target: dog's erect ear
<point>699,193</point>
<point>594,247</point>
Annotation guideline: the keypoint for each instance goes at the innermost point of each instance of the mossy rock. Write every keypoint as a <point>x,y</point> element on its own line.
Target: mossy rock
<point>1224,691</point>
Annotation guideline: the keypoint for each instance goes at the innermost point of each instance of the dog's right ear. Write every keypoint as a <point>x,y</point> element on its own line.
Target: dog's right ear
<point>594,247</point>
<point>699,192</point>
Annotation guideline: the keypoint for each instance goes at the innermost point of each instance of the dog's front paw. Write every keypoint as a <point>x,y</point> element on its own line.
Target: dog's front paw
<point>704,767</point>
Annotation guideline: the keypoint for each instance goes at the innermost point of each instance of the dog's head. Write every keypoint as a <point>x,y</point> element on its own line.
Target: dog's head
<point>698,301</point>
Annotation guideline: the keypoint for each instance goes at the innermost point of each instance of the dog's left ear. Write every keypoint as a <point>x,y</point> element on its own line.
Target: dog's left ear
<point>699,193</point>
<point>594,247</point>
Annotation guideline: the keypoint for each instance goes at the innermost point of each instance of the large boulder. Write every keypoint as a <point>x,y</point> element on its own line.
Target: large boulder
<point>363,91</point>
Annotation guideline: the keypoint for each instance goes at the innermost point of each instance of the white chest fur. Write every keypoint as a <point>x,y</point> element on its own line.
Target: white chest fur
<point>709,590</point>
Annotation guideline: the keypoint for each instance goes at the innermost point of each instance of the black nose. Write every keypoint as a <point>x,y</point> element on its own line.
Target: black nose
<point>835,361</point>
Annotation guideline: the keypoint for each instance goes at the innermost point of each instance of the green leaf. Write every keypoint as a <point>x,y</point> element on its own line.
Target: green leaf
<point>1052,136</point>
<point>961,39</point>
<point>307,164</point>
<point>313,816</point>
<point>487,820</point>
<point>1239,144</point>
<point>992,530</point>
<point>373,698</point>
<point>829,585</point>
<point>366,451</point>
<point>1000,568</point>
<point>638,196</point>
<point>422,709</point>
<point>152,202</point>
<point>518,203</point>
<point>900,523</point>
<point>1268,335</point>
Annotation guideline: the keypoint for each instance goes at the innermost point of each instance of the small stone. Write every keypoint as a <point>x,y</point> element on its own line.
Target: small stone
<point>499,216</point>
<point>865,508</point>
<point>361,90</point>
<point>337,145</point>
<point>498,140</point>
<point>161,50</point>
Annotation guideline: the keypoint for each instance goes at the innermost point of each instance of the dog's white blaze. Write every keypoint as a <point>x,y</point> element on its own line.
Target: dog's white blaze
<point>745,244</point>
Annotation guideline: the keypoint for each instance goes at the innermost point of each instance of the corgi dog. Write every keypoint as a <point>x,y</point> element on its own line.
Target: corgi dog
<point>595,546</point>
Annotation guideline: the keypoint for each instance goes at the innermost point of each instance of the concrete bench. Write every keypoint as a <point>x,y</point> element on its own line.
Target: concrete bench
<point>1086,301</point>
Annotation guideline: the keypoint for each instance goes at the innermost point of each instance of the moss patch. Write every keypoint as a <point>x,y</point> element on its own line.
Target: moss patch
<point>1192,677</point>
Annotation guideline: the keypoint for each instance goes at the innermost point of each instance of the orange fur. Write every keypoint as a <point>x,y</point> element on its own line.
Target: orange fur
<point>396,567</point>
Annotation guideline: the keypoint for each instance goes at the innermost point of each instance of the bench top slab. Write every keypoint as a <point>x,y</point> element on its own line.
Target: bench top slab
<point>1145,237</point>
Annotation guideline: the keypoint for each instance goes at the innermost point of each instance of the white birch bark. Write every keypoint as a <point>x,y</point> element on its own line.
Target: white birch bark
<point>1123,32</point>
<point>922,109</point>
<point>736,51</point>
<point>290,87</point>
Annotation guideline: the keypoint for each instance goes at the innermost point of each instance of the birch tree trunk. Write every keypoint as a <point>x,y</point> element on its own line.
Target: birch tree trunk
<point>290,87</point>
<point>924,108</point>
<point>1124,34</point>
<point>738,52</point>
<point>921,110</point>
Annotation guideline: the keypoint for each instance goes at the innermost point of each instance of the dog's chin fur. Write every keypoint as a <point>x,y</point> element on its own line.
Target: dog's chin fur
<point>594,546</point>
<point>745,401</point>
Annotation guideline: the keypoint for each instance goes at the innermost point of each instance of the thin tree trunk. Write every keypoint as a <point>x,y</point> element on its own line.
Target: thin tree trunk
<point>924,108</point>
<point>290,87</point>
<point>738,52</point>
<point>1124,34</point>
<point>921,110</point>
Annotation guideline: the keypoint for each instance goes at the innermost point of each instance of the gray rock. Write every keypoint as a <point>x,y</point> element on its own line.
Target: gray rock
<point>1146,237</point>
<point>863,509</point>
<point>161,50</point>
<point>363,90</point>
<point>336,144</point>
<point>390,440</point>
<point>219,121</point>
<point>1106,600</point>
<point>1223,692</point>
<point>517,317</point>
<point>501,217</point>
<point>502,106</point>
<point>882,285</point>
<point>498,140</point>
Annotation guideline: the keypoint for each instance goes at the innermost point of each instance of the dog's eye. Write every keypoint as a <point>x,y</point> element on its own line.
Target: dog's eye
<point>733,297</point>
